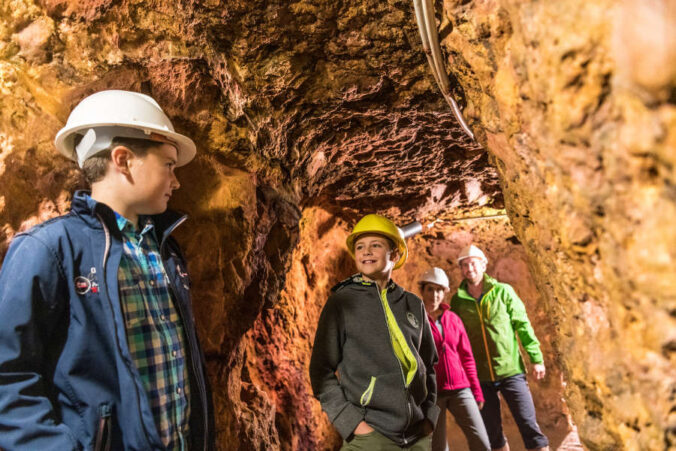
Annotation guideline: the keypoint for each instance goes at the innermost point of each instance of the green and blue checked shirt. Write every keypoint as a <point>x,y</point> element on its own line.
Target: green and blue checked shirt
<point>154,331</point>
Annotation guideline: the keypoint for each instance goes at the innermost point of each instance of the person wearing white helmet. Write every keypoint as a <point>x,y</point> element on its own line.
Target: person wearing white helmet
<point>458,389</point>
<point>496,321</point>
<point>98,348</point>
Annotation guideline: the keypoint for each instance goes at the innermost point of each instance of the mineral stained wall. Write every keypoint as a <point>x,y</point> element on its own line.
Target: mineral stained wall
<point>575,101</point>
<point>304,104</point>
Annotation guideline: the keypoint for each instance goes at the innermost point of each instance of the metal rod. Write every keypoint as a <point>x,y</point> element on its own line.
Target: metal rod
<point>422,29</point>
<point>424,12</point>
<point>411,229</point>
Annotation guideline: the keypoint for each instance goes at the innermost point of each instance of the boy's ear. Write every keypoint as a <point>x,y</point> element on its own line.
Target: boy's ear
<point>394,255</point>
<point>121,156</point>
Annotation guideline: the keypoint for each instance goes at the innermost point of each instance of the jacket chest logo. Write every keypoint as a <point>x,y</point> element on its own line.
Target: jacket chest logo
<point>84,285</point>
<point>412,319</point>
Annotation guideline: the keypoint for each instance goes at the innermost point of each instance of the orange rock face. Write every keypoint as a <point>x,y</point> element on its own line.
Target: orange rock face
<point>576,103</point>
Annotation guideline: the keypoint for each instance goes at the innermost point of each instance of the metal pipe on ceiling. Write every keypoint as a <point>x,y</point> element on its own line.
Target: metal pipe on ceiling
<point>424,14</point>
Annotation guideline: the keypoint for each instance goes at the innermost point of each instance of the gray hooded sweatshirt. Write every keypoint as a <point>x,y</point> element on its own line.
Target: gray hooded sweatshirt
<point>355,372</point>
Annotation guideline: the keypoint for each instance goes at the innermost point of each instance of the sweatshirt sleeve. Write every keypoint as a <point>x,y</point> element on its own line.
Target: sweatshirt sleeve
<point>521,324</point>
<point>31,307</point>
<point>467,359</point>
<point>327,353</point>
<point>428,354</point>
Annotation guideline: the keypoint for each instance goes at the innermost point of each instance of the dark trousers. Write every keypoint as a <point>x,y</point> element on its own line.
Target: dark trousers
<point>463,406</point>
<point>515,391</point>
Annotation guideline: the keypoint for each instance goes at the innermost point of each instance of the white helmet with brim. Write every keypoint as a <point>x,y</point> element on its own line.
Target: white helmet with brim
<point>472,251</point>
<point>436,276</point>
<point>109,114</point>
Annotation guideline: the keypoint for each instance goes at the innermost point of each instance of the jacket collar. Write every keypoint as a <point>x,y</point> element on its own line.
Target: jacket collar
<point>90,210</point>
<point>488,284</point>
<point>444,307</point>
<point>358,282</point>
<point>359,279</point>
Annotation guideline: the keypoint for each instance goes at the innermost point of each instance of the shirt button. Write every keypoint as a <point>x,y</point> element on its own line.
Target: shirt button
<point>152,283</point>
<point>173,353</point>
<point>178,390</point>
<point>163,318</point>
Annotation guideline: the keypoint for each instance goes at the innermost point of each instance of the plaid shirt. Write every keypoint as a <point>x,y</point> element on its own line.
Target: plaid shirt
<point>154,331</point>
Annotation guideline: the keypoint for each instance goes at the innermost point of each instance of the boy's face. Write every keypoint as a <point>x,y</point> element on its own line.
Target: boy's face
<point>473,269</point>
<point>153,178</point>
<point>374,257</point>
<point>433,295</point>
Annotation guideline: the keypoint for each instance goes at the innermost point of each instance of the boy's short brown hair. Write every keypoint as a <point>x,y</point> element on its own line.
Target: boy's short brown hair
<point>94,168</point>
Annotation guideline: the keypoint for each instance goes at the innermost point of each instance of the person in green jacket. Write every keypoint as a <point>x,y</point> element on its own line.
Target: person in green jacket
<point>496,320</point>
<point>372,365</point>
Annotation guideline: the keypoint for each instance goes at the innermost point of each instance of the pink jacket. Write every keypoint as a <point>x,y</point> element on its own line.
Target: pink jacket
<point>456,368</point>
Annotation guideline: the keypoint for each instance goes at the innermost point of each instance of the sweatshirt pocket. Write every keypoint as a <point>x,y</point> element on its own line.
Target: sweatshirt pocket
<point>103,428</point>
<point>388,404</point>
<point>368,393</point>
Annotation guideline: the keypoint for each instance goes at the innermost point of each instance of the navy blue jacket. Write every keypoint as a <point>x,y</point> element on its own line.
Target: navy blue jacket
<point>67,379</point>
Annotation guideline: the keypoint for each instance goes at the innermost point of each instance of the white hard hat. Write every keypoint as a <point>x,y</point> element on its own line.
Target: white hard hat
<point>108,114</point>
<point>472,251</point>
<point>437,276</point>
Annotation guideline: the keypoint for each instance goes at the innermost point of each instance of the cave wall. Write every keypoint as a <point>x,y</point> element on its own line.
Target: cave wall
<point>279,345</point>
<point>575,101</point>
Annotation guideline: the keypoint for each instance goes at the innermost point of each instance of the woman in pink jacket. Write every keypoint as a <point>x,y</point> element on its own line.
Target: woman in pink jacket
<point>458,389</point>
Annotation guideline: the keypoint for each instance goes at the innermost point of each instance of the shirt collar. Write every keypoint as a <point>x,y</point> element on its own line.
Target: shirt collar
<point>127,228</point>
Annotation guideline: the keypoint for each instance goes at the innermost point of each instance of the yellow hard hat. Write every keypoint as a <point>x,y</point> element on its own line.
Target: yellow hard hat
<point>382,226</point>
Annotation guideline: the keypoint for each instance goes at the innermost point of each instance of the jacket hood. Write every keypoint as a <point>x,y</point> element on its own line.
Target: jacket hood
<point>358,284</point>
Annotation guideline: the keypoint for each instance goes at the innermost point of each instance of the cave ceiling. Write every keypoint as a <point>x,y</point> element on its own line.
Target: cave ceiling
<point>331,102</point>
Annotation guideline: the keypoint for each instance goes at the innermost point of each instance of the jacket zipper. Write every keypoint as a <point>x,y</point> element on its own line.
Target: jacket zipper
<point>403,377</point>
<point>483,332</point>
<point>194,352</point>
<point>368,393</point>
<point>103,429</point>
<point>119,348</point>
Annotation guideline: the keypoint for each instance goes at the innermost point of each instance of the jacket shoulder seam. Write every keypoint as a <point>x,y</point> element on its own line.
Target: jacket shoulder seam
<point>53,255</point>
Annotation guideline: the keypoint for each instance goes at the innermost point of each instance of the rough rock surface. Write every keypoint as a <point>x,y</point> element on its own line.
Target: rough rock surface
<point>576,102</point>
<point>310,103</point>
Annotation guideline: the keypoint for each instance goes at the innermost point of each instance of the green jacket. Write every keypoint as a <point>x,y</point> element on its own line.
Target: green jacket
<point>493,325</point>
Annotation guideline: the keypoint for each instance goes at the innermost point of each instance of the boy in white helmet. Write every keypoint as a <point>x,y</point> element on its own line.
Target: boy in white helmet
<point>494,317</point>
<point>372,365</point>
<point>98,348</point>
